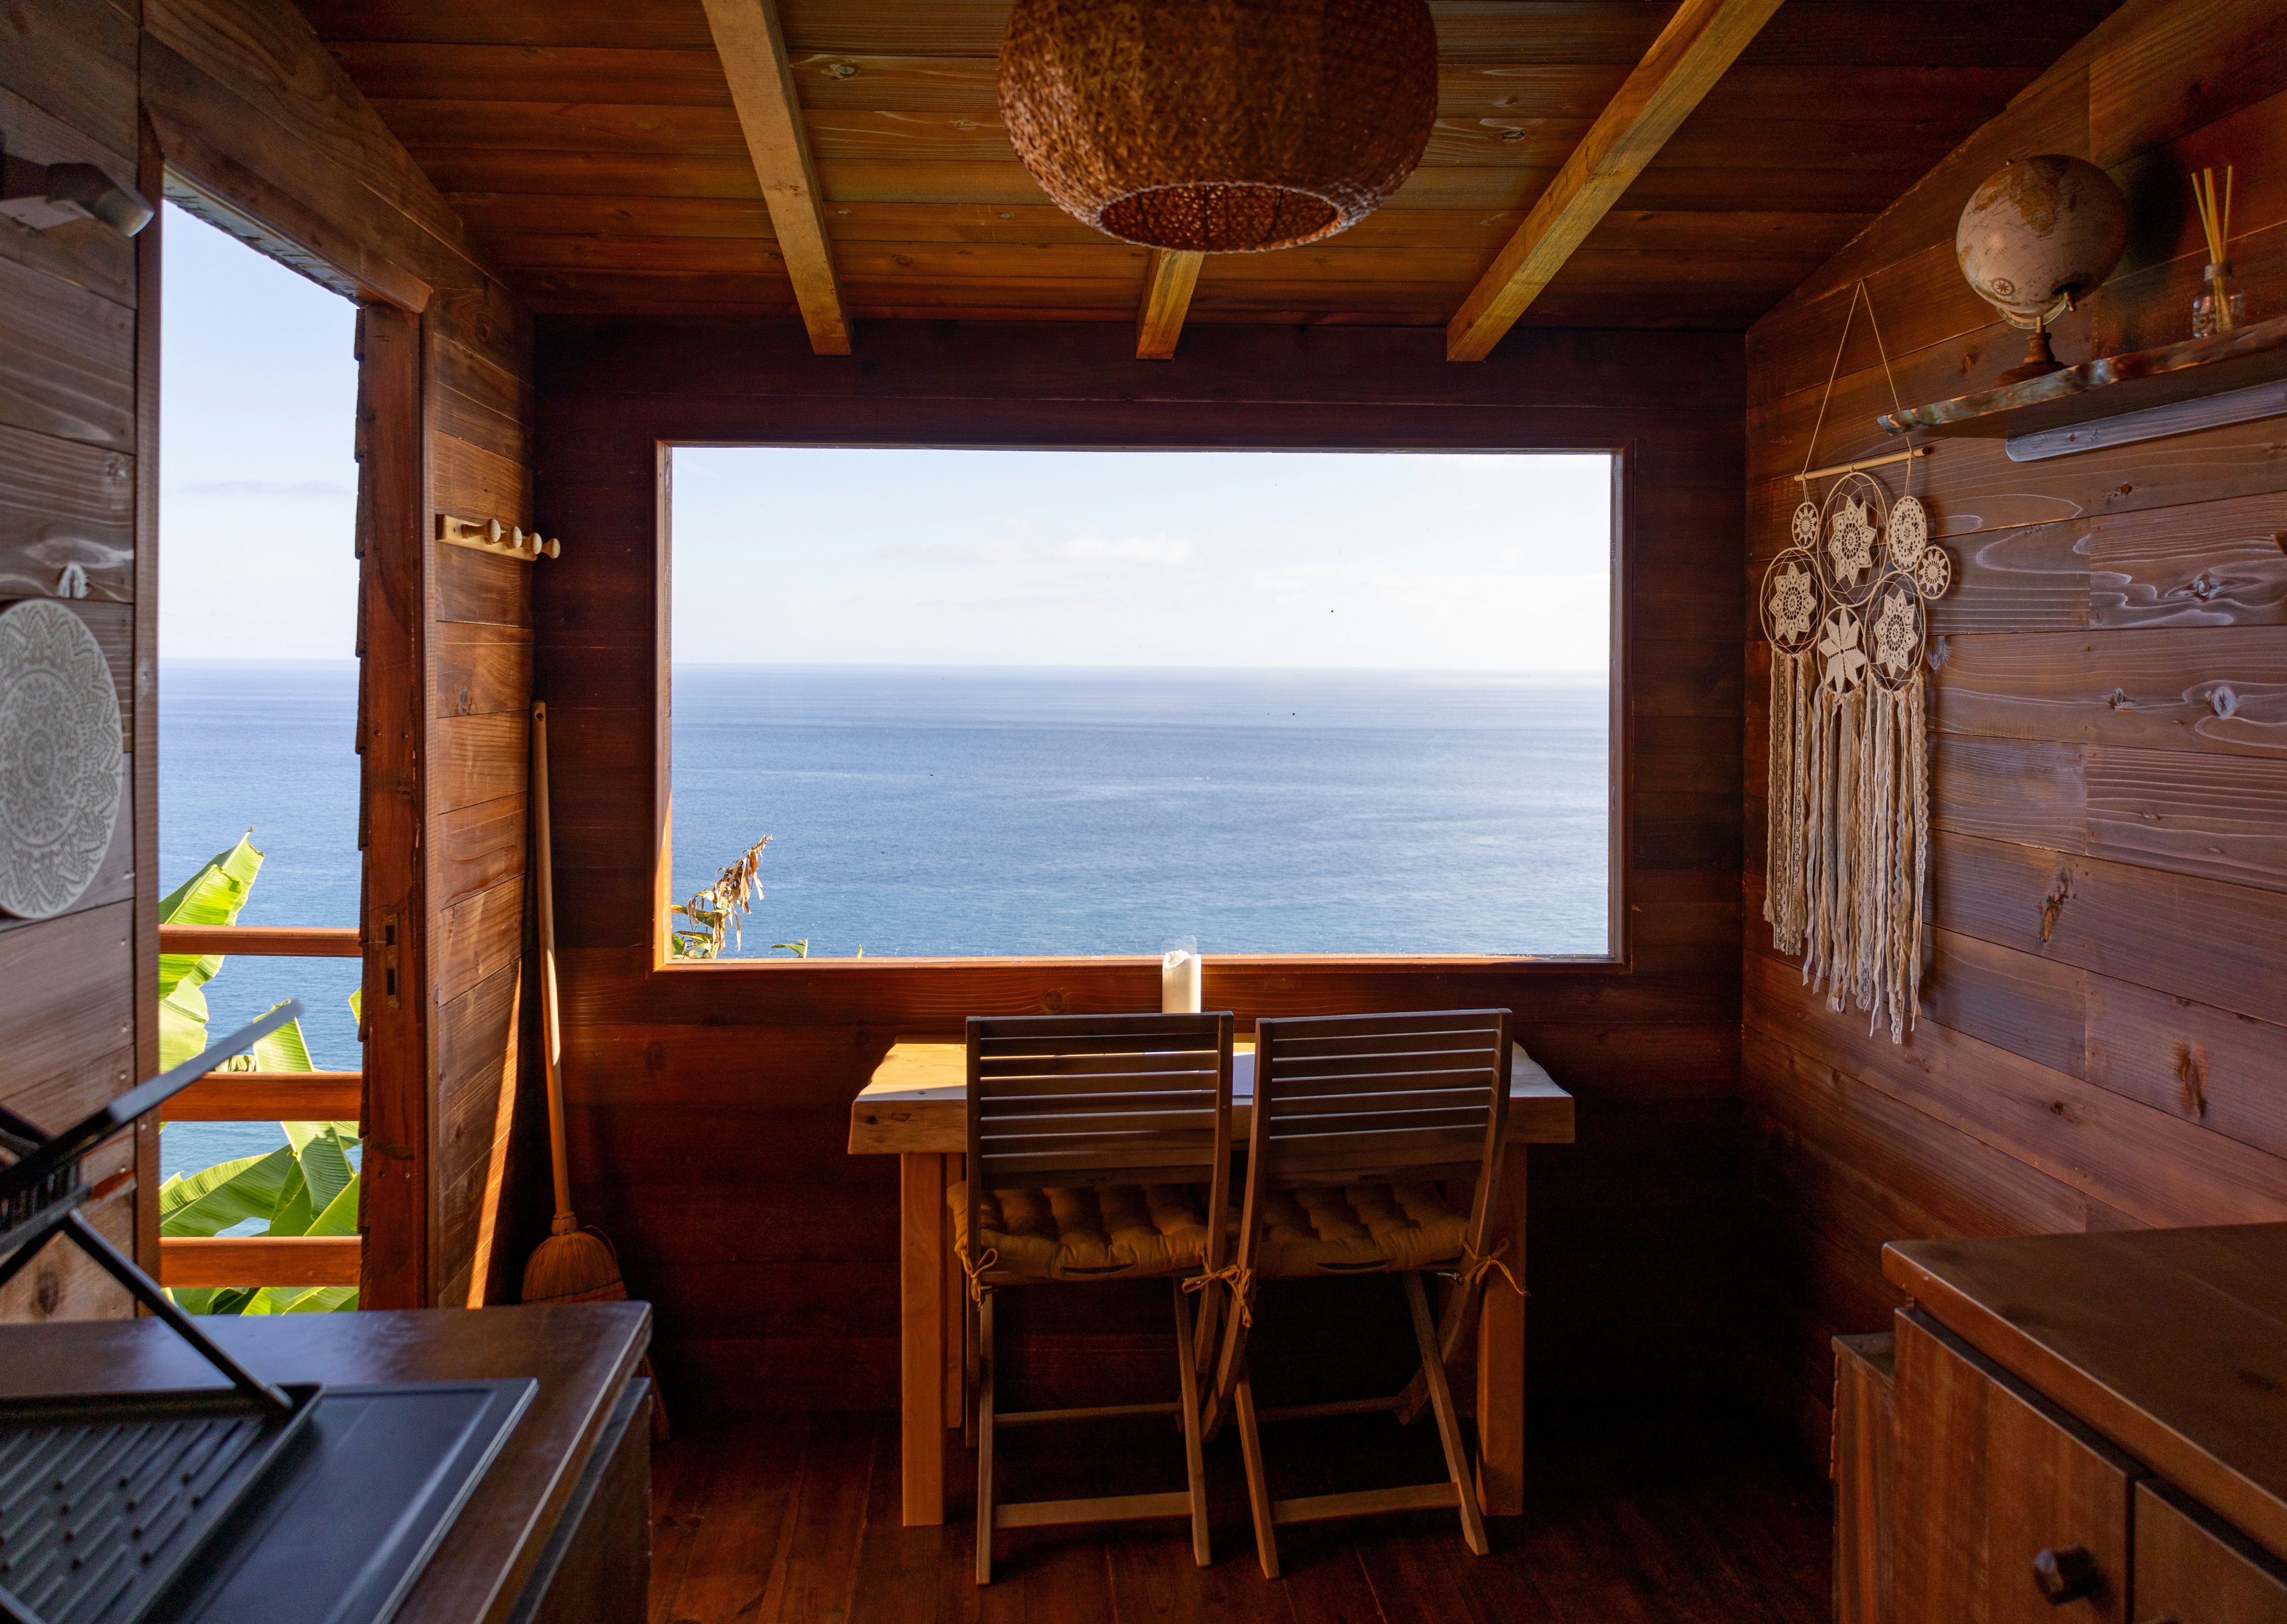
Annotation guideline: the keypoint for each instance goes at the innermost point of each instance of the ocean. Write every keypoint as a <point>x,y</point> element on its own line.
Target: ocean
<point>979,812</point>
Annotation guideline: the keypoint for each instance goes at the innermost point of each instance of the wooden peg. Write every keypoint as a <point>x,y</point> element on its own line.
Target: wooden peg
<point>491,536</point>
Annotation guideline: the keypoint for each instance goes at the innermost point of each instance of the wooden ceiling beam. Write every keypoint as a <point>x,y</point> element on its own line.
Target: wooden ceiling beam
<point>1168,287</point>
<point>1691,53</point>
<point>752,44</point>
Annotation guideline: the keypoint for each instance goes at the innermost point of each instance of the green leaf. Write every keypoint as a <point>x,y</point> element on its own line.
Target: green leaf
<point>211,1299</point>
<point>211,896</point>
<point>291,1214</point>
<point>340,1216</point>
<point>284,1050</point>
<point>209,1202</point>
<point>322,1173</point>
<point>301,1300</point>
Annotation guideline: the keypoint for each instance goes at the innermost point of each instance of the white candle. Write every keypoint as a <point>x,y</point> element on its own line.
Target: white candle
<point>1179,983</point>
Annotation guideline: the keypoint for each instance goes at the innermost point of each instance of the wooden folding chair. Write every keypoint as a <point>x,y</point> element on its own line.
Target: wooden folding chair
<point>1099,1148</point>
<point>1376,1148</point>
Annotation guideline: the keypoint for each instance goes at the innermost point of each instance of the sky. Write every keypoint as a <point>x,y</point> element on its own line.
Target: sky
<point>804,555</point>
<point>257,476</point>
<point>1204,559</point>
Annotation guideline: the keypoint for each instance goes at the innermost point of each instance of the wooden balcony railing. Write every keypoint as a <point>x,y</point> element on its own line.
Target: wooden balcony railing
<point>264,1096</point>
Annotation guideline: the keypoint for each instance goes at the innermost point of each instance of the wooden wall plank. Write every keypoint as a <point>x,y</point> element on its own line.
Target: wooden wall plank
<point>2015,1000</point>
<point>477,758</point>
<point>2136,924</point>
<point>2193,688</point>
<point>75,59</point>
<point>478,847</point>
<point>62,502</point>
<point>477,937</point>
<point>483,670</point>
<point>2204,1064</point>
<point>474,588</point>
<point>68,1025</point>
<point>66,360</point>
<point>2221,817</point>
<point>473,482</point>
<point>2211,564</point>
<point>2146,1162</point>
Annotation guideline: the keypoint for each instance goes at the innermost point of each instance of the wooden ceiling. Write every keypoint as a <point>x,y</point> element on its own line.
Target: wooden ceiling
<point>594,150</point>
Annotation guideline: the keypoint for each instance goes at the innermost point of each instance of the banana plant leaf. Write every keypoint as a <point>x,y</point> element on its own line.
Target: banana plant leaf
<point>301,1300</point>
<point>322,1174</point>
<point>212,1300</point>
<point>211,896</point>
<point>210,1200</point>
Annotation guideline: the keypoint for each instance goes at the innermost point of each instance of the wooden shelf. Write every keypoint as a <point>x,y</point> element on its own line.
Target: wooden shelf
<point>2198,383</point>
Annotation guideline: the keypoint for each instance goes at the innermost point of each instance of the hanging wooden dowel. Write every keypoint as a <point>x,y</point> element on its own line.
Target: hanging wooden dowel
<point>492,536</point>
<point>1861,466</point>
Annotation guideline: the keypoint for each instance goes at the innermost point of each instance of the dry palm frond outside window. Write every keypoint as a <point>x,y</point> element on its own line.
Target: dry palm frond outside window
<point>716,912</point>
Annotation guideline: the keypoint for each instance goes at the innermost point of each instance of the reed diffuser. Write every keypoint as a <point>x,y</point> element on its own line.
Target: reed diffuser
<point>2221,306</point>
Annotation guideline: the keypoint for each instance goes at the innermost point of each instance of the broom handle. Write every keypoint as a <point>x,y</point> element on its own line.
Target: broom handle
<point>550,1033</point>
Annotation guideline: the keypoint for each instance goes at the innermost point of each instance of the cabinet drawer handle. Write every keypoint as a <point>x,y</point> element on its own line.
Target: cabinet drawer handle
<point>2066,1575</point>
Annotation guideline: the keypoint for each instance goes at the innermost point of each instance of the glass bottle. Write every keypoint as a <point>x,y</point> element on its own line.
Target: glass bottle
<point>2221,306</point>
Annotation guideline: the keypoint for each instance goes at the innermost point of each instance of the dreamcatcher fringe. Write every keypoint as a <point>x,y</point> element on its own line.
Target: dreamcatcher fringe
<point>1792,681</point>
<point>1847,854</point>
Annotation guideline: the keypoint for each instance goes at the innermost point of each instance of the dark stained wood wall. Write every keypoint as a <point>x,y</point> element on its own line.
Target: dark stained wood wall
<point>709,1107</point>
<point>2104,1038</point>
<point>78,412</point>
<point>231,107</point>
<point>265,134</point>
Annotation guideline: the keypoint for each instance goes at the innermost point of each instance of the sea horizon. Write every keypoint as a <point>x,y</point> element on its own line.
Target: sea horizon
<point>965,811</point>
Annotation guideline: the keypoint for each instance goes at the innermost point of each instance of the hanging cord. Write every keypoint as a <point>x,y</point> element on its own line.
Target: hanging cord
<point>1240,1281</point>
<point>1810,450</point>
<point>1476,1265</point>
<point>976,1271</point>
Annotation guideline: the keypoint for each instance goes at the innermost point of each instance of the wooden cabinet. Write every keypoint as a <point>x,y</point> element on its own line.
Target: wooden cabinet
<point>2090,1429</point>
<point>2009,1511</point>
<point>2193,1569</point>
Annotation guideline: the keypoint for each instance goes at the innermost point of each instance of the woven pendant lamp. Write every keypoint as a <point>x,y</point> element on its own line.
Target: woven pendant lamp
<point>1219,126</point>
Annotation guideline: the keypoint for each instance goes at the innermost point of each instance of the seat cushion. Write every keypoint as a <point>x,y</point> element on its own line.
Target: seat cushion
<point>1358,1229</point>
<point>1088,1233</point>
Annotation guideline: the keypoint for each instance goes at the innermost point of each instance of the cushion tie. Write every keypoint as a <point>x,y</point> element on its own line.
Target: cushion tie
<point>1241,1282</point>
<point>976,1271</point>
<point>1476,1265</point>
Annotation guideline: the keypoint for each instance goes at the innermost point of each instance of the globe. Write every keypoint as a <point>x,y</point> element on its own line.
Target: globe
<point>2039,232</point>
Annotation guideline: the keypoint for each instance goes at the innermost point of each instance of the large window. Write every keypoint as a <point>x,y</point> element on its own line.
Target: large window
<point>991,702</point>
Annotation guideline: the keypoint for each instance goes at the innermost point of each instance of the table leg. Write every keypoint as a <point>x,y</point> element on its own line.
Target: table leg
<point>920,1334</point>
<point>1500,1363</point>
<point>956,1315</point>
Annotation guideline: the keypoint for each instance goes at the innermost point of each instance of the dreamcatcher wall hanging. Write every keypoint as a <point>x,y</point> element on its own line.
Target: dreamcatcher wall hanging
<point>1846,609</point>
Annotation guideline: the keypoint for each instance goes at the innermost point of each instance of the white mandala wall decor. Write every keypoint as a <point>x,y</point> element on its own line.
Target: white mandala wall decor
<point>1846,608</point>
<point>60,765</point>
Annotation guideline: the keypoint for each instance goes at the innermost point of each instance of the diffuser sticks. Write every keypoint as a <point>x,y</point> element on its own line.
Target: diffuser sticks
<point>2220,306</point>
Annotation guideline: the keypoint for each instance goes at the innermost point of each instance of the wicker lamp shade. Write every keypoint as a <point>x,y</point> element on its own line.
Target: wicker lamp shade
<point>1220,126</point>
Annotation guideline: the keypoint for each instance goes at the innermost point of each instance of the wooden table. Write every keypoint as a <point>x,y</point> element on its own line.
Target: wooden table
<point>582,1355</point>
<point>915,1108</point>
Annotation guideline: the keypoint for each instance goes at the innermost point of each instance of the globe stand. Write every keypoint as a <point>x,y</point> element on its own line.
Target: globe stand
<point>2040,360</point>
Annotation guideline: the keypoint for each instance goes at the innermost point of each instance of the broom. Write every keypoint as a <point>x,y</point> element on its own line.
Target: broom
<point>573,1265</point>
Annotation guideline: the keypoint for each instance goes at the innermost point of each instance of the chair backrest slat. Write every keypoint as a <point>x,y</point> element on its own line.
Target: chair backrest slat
<point>1094,1099</point>
<point>1354,1099</point>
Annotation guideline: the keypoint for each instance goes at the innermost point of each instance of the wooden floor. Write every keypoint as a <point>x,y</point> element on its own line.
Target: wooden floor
<point>796,1523</point>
